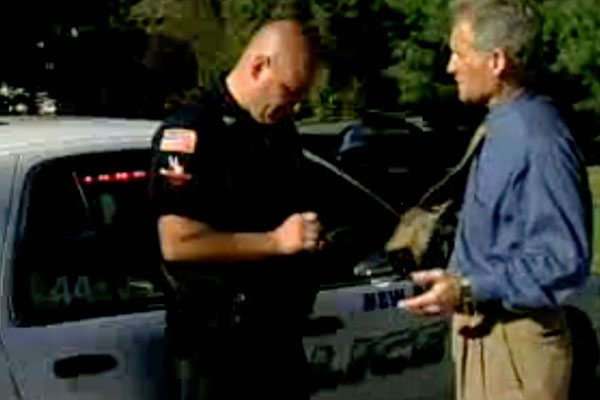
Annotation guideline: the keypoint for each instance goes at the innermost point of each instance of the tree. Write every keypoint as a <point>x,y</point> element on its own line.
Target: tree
<point>572,50</point>
<point>201,23</point>
<point>376,53</point>
<point>421,51</point>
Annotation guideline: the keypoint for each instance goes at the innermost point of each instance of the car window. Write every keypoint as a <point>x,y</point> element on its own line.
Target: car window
<point>356,222</point>
<point>86,244</point>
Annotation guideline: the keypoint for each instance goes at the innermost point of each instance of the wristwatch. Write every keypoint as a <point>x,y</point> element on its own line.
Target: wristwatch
<point>466,302</point>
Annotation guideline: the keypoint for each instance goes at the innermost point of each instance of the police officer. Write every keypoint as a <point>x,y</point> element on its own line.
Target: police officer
<point>233,232</point>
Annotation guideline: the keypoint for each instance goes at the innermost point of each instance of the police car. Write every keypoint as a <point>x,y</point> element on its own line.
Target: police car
<point>81,314</point>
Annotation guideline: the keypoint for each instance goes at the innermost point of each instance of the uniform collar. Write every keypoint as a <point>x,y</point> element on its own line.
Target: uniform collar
<point>232,111</point>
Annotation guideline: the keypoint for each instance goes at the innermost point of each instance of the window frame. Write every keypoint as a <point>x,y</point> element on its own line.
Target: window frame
<point>22,312</point>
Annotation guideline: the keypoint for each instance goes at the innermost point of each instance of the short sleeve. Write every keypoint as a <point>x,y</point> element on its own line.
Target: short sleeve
<point>185,169</point>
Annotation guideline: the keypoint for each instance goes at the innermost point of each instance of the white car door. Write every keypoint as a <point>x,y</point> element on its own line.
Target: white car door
<point>359,344</point>
<point>82,317</point>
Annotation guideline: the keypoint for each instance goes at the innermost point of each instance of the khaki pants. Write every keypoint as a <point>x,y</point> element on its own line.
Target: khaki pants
<point>519,359</point>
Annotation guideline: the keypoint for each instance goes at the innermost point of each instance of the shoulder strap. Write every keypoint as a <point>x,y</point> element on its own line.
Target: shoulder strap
<point>441,191</point>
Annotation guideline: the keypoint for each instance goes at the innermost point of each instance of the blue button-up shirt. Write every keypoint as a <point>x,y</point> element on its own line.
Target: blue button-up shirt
<point>524,230</point>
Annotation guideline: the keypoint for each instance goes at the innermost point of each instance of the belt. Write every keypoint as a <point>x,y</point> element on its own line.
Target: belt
<point>490,309</point>
<point>495,311</point>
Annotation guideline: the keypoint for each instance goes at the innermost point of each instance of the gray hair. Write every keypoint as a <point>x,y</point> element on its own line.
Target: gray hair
<point>513,26</point>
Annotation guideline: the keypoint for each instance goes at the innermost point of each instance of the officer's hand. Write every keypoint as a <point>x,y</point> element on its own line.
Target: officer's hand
<point>442,297</point>
<point>297,233</point>
<point>312,231</point>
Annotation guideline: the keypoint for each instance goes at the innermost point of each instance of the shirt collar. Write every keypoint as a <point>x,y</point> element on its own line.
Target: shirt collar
<point>232,111</point>
<point>499,109</point>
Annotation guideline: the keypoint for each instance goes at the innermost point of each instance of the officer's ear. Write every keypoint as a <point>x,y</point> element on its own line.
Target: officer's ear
<point>259,63</point>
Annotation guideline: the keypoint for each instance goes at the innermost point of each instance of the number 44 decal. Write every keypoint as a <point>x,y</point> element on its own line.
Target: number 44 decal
<point>62,293</point>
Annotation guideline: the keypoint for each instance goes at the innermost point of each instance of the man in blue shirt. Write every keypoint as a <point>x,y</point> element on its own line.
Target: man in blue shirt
<point>522,244</point>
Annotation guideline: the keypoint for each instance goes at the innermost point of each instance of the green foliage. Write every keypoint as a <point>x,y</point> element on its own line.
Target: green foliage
<point>201,23</point>
<point>572,49</point>
<point>119,14</point>
<point>378,53</point>
<point>420,51</point>
<point>594,180</point>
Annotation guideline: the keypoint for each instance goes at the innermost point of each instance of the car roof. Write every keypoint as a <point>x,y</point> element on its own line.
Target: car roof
<point>20,135</point>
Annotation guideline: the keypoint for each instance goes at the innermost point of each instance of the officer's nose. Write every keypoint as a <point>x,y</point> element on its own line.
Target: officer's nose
<point>451,66</point>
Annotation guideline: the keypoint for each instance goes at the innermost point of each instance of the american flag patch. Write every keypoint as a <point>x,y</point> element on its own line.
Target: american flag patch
<point>179,140</point>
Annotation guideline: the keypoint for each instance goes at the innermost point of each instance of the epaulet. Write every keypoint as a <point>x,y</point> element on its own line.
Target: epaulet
<point>192,113</point>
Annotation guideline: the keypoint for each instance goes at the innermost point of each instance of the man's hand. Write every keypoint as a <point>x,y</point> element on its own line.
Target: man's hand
<point>298,232</point>
<point>442,297</point>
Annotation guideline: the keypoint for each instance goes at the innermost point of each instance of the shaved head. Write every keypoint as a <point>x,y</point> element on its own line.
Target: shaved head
<point>285,41</point>
<point>273,72</point>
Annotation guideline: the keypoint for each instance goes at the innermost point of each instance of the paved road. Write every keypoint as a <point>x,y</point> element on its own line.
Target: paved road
<point>430,382</point>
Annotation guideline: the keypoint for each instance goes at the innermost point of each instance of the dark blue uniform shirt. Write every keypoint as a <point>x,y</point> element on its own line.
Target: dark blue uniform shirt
<point>524,229</point>
<point>237,325</point>
<point>213,163</point>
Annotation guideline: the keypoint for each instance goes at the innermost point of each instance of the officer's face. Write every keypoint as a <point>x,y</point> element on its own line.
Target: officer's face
<point>281,97</point>
<point>279,87</point>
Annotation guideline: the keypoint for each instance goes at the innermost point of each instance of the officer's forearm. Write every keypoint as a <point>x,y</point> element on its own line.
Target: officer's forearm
<point>185,240</point>
<point>221,248</point>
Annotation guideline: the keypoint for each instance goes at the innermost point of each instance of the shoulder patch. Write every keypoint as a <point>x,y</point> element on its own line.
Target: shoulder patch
<point>176,171</point>
<point>179,140</point>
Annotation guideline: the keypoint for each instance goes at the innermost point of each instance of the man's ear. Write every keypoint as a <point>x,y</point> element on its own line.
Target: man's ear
<point>499,62</point>
<point>259,63</point>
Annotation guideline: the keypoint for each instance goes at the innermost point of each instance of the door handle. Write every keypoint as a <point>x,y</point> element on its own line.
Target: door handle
<point>83,364</point>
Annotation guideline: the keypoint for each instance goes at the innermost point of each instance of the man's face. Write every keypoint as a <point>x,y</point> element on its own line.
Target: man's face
<point>279,87</point>
<point>472,69</point>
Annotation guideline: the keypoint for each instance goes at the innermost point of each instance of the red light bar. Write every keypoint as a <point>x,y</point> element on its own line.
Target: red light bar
<point>116,177</point>
<point>121,176</point>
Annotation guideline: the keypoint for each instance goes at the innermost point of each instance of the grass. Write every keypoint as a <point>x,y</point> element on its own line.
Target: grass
<point>594,178</point>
